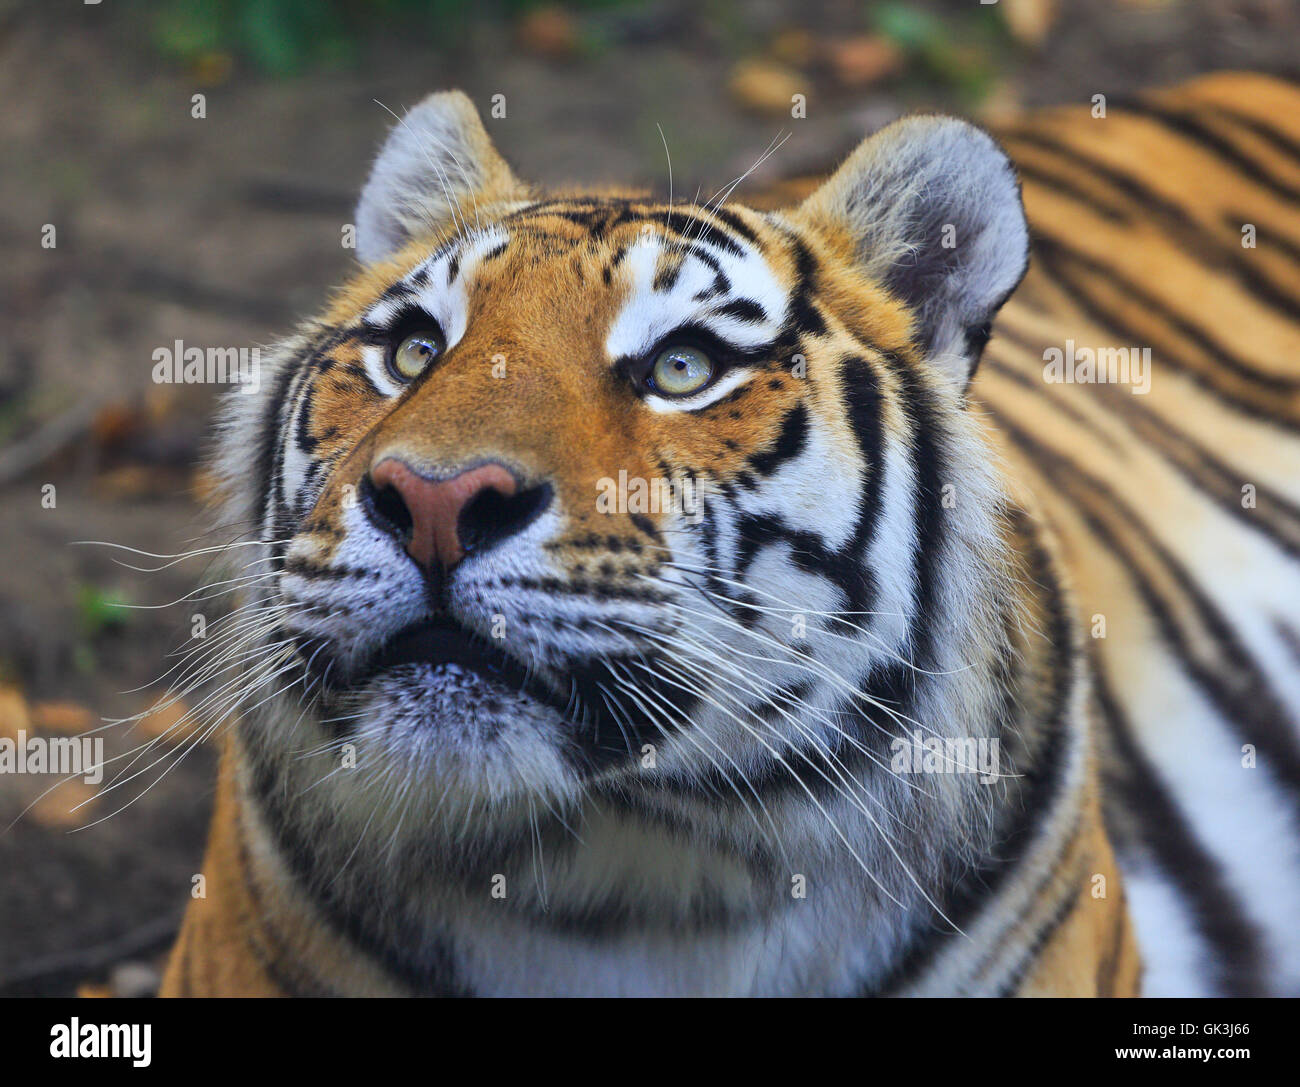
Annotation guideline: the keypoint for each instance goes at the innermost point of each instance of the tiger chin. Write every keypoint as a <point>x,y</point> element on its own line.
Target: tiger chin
<point>816,721</point>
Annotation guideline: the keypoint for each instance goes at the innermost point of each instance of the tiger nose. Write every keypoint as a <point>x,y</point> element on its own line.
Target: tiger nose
<point>441,520</point>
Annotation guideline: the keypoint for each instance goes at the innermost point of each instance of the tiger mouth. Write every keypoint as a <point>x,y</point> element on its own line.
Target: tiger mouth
<point>421,658</point>
<point>441,641</point>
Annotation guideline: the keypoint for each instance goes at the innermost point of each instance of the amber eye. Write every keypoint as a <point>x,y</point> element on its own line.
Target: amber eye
<point>681,370</point>
<point>416,353</point>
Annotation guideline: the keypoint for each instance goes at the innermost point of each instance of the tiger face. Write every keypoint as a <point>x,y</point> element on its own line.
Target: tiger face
<point>610,496</point>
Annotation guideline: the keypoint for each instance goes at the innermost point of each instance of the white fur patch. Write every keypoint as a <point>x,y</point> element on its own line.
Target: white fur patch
<point>649,315</point>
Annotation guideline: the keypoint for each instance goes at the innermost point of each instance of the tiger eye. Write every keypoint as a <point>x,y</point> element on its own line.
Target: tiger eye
<point>416,353</point>
<point>680,371</point>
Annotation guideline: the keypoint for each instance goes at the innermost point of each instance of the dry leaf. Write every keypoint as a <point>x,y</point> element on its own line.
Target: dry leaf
<point>164,721</point>
<point>1029,20</point>
<point>765,86</point>
<point>114,424</point>
<point>161,403</point>
<point>212,69</point>
<point>13,713</point>
<point>548,31</point>
<point>56,808</point>
<point>863,60</point>
<point>1001,106</point>
<point>134,481</point>
<point>794,46</point>
<point>62,717</point>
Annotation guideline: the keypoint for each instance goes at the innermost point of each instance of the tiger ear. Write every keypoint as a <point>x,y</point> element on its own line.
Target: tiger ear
<point>435,169</point>
<point>932,209</point>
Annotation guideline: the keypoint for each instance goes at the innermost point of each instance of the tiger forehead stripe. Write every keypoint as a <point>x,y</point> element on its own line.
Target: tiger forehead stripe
<point>437,285</point>
<point>441,279</point>
<point>731,291</point>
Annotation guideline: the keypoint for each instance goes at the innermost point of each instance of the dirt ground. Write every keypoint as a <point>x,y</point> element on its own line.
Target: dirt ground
<point>222,230</point>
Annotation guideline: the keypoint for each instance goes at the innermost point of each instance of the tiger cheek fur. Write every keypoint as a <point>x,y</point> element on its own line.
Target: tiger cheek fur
<point>587,672</point>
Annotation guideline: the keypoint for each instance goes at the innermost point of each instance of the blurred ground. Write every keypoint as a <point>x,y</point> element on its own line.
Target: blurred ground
<point>220,231</point>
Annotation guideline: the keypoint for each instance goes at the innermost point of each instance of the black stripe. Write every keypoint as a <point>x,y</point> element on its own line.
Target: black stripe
<point>860,391</point>
<point>1131,781</point>
<point>737,224</point>
<point>1109,209</point>
<point>267,460</point>
<point>1290,637</point>
<point>291,977</point>
<point>697,230</point>
<point>804,315</point>
<point>1200,243</point>
<point>304,569</point>
<point>1040,786</point>
<point>790,442</point>
<point>1237,688</point>
<point>744,309</point>
<point>1218,480</point>
<point>1057,261</point>
<point>303,436</point>
<point>666,278</point>
<point>1054,253</point>
<point>721,282</point>
<point>1196,131</point>
<point>431,973</point>
<point>800,768</point>
<point>1064,910</point>
<point>599,220</point>
<point>1283,143</point>
<point>808,551</point>
<point>931,467</point>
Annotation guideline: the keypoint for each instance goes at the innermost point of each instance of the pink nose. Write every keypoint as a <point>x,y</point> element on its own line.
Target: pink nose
<point>435,506</point>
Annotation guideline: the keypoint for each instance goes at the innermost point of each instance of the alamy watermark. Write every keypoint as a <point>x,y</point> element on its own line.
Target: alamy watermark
<point>181,365</point>
<point>68,756</point>
<point>921,754</point>
<point>634,494</point>
<point>1075,365</point>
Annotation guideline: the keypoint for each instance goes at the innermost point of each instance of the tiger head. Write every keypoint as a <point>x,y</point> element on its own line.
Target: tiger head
<point>578,495</point>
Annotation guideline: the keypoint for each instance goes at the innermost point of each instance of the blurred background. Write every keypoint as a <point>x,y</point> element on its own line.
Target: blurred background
<point>222,229</point>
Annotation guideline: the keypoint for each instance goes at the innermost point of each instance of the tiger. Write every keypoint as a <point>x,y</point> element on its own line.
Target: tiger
<point>886,587</point>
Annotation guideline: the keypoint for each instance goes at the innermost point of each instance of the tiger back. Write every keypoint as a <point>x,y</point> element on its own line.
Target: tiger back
<point>1170,229</point>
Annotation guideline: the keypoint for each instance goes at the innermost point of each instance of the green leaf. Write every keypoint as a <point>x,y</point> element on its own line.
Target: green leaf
<point>100,610</point>
<point>905,26</point>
